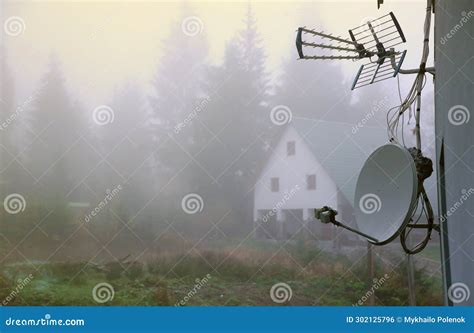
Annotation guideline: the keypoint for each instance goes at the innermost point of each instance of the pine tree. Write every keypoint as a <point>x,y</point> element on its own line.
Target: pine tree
<point>56,126</point>
<point>127,145</point>
<point>239,116</point>
<point>7,115</point>
<point>176,90</point>
<point>6,110</point>
<point>312,89</point>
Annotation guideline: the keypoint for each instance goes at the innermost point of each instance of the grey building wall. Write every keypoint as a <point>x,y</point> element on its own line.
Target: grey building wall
<point>454,103</point>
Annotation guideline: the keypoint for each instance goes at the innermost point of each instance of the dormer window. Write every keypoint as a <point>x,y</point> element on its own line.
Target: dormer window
<point>275,184</point>
<point>290,148</point>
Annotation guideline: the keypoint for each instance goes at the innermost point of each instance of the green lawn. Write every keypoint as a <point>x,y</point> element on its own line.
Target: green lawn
<point>244,277</point>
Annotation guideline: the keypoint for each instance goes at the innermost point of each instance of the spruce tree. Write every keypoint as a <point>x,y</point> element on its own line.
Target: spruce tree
<point>6,116</point>
<point>238,116</point>
<point>56,126</point>
<point>176,90</point>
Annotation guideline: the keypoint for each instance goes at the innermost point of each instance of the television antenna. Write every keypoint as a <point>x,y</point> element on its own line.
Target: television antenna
<point>391,180</point>
<point>373,41</point>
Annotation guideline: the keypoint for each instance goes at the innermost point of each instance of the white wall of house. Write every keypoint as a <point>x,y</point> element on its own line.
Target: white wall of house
<point>292,172</point>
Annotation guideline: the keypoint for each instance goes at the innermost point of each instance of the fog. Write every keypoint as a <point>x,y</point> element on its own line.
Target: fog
<point>137,131</point>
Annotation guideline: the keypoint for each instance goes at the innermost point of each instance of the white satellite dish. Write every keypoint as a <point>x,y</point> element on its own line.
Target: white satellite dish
<point>386,193</point>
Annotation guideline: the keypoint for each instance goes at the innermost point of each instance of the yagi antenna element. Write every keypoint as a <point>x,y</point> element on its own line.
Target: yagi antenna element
<point>374,40</point>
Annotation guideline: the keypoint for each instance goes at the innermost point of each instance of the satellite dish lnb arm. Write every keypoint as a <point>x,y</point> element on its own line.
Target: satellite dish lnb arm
<point>328,215</point>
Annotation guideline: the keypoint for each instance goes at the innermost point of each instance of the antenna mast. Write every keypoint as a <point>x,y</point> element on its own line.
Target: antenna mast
<point>375,42</point>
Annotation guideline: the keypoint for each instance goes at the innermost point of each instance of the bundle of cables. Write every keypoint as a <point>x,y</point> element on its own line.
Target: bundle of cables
<point>395,117</point>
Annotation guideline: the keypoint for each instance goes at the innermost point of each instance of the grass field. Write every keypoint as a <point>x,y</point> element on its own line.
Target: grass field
<point>215,276</point>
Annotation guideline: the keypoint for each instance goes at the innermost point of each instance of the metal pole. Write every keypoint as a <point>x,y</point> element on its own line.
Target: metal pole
<point>411,281</point>
<point>371,266</point>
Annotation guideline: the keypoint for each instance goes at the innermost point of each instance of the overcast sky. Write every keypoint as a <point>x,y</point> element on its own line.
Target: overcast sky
<point>101,44</point>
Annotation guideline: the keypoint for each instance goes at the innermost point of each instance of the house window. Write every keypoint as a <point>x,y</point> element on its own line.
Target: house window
<point>311,182</point>
<point>290,148</point>
<point>275,184</point>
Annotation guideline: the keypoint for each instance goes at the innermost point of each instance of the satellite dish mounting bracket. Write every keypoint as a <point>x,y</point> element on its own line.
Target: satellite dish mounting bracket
<point>328,215</point>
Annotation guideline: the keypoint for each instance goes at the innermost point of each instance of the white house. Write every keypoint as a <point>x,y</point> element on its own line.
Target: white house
<point>314,164</point>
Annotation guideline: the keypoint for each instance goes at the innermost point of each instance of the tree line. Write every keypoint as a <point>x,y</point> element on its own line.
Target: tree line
<point>201,129</point>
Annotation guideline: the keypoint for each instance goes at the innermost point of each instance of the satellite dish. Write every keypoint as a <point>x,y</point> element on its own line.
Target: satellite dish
<point>386,193</point>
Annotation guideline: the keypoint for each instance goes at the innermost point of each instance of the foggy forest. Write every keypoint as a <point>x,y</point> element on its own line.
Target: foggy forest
<point>140,189</point>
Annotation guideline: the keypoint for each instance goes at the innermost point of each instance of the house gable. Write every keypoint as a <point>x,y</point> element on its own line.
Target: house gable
<point>292,164</point>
